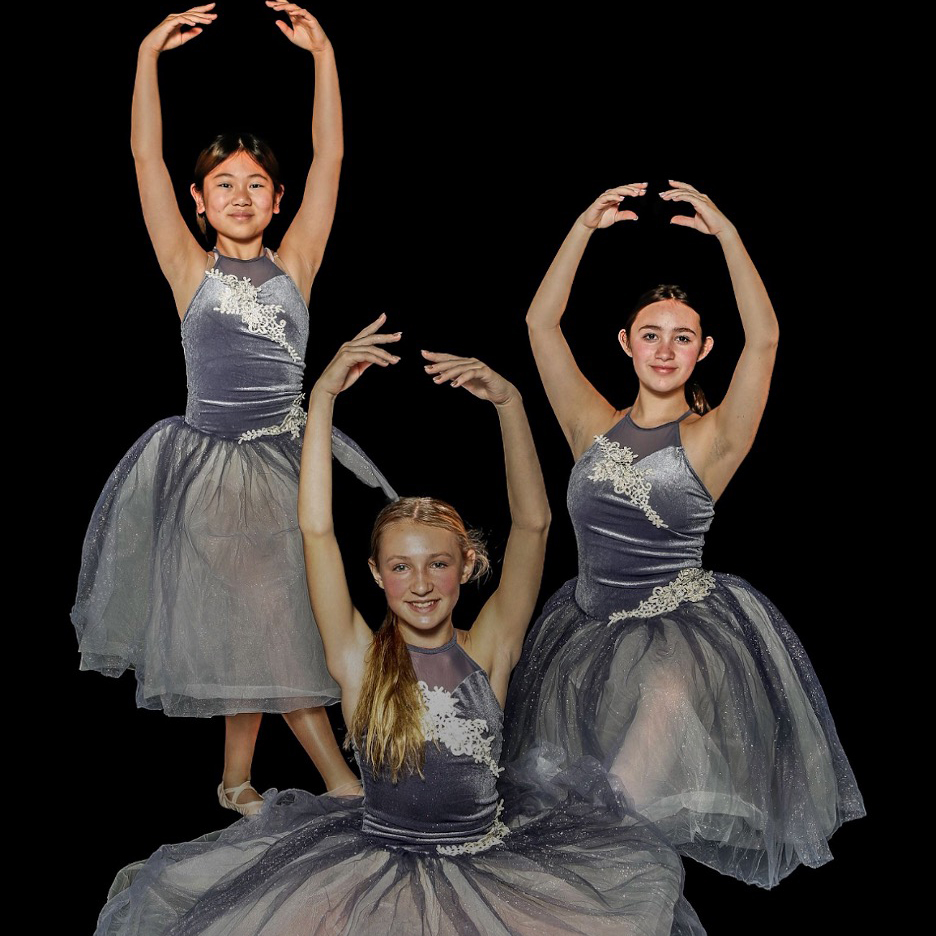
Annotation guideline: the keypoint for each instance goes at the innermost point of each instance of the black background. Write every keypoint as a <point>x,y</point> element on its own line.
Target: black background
<point>472,144</point>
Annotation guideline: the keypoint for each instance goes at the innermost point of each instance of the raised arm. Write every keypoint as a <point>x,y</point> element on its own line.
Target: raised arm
<point>344,633</point>
<point>180,257</point>
<point>718,443</point>
<point>581,410</point>
<point>303,245</point>
<point>496,638</point>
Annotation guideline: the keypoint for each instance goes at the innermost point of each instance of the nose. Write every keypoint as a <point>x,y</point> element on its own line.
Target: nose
<point>665,351</point>
<point>242,196</point>
<point>421,584</point>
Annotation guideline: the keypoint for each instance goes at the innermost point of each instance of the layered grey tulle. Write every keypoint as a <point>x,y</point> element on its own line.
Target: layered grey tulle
<point>192,571</point>
<point>687,686</point>
<point>572,858</point>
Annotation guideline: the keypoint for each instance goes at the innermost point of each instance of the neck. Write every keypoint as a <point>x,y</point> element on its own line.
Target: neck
<point>438,636</point>
<point>239,250</point>
<point>652,409</point>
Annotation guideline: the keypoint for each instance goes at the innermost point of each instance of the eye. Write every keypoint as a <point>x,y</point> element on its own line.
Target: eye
<point>224,185</point>
<point>440,564</point>
<point>649,336</point>
<point>256,185</point>
<point>399,567</point>
<point>684,339</point>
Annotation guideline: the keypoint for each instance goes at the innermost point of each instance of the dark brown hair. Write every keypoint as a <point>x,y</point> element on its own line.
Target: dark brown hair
<point>387,722</point>
<point>223,147</point>
<point>694,395</point>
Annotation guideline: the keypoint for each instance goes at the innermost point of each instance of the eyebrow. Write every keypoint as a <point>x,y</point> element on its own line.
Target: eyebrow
<point>230,175</point>
<point>660,328</point>
<point>432,556</point>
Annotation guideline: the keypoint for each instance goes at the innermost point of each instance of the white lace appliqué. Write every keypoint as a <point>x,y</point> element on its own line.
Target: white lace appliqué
<point>494,836</point>
<point>442,724</point>
<point>617,466</point>
<point>689,585</point>
<point>240,298</point>
<point>293,422</point>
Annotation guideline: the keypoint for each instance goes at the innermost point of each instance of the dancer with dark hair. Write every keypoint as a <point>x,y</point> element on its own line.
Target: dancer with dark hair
<point>192,572</point>
<point>431,848</point>
<point>688,685</point>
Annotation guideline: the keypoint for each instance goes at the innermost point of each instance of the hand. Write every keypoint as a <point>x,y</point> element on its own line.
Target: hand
<point>605,210</point>
<point>708,219</point>
<point>354,357</point>
<point>474,375</point>
<point>303,29</point>
<point>169,35</point>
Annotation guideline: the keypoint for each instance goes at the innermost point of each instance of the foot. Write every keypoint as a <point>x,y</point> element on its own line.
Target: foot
<point>351,788</point>
<point>242,798</point>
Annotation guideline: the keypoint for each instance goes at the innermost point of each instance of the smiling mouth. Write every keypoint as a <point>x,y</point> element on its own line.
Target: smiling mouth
<point>423,606</point>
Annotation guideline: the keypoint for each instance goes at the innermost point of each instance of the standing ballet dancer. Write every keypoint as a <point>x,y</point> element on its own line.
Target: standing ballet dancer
<point>192,572</point>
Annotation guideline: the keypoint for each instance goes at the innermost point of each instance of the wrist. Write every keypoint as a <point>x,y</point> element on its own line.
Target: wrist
<point>728,234</point>
<point>324,51</point>
<point>513,401</point>
<point>321,397</point>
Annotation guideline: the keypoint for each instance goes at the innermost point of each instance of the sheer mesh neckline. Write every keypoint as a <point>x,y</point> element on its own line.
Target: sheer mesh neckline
<point>627,416</point>
<point>445,646</point>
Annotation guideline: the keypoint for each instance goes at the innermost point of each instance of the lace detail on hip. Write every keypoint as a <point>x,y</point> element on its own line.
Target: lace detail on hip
<point>689,585</point>
<point>294,421</point>
<point>494,836</point>
<point>240,298</point>
<point>617,466</point>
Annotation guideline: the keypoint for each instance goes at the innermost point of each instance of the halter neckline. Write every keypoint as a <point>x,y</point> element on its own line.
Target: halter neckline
<point>445,646</point>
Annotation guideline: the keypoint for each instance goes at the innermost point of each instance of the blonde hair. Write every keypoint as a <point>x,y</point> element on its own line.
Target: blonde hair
<point>387,723</point>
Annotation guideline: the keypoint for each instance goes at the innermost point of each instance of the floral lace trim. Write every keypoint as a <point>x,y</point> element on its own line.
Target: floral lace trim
<point>689,585</point>
<point>617,466</point>
<point>442,724</point>
<point>494,836</point>
<point>294,420</point>
<point>240,298</point>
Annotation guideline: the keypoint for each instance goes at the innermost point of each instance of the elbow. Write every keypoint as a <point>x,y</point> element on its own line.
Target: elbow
<point>536,522</point>
<point>312,529</point>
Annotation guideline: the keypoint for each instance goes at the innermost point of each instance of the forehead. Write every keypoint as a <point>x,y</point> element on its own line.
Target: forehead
<point>667,312</point>
<point>239,164</point>
<point>417,539</point>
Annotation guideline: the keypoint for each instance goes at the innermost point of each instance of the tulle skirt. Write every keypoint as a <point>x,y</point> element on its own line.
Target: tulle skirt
<point>710,715</point>
<point>193,576</point>
<point>574,862</point>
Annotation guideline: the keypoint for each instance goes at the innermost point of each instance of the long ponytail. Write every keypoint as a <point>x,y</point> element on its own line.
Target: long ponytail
<point>387,722</point>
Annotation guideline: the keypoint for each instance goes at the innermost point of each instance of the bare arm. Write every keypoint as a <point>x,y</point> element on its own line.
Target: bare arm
<point>304,243</point>
<point>581,410</point>
<point>718,443</point>
<point>180,257</point>
<point>496,638</point>
<point>344,632</point>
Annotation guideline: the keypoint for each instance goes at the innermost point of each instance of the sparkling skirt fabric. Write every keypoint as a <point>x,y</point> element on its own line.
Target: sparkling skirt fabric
<point>710,715</point>
<point>575,862</point>
<point>193,575</point>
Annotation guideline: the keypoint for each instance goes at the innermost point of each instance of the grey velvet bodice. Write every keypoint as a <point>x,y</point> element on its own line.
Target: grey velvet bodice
<point>640,515</point>
<point>453,807</point>
<point>244,336</point>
